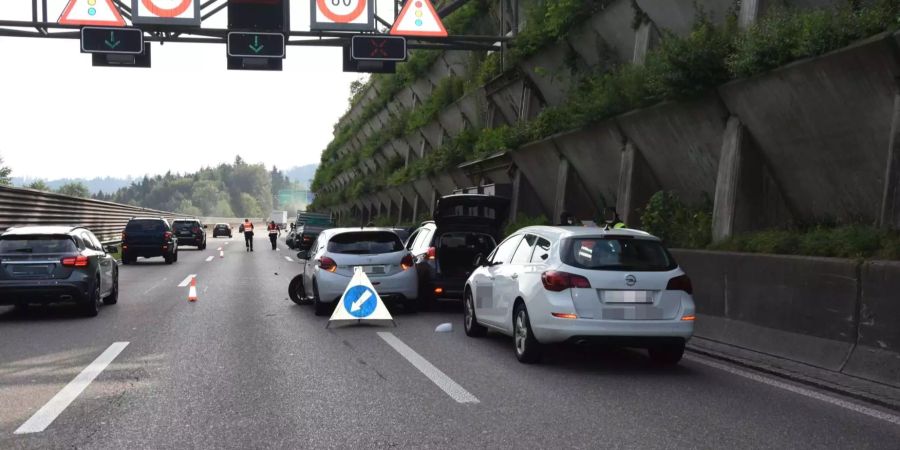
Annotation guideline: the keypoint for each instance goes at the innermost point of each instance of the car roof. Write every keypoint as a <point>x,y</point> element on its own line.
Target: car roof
<point>40,229</point>
<point>335,231</point>
<point>186,220</point>
<point>570,232</point>
<point>147,218</point>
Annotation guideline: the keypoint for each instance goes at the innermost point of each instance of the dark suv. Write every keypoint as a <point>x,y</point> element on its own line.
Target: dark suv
<point>44,264</point>
<point>148,237</point>
<point>221,229</point>
<point>464,227</point>
<point>190,232</point>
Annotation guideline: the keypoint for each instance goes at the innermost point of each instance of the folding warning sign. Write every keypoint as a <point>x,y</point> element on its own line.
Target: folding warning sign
<point>418,18</point>
<point>91,12</point>
<point>360,302</point>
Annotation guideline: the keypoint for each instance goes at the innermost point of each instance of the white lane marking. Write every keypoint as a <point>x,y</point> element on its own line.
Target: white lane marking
<point>187,280</point>
<point>277,249</point>
<point>227,242</point>
<point>288,258</point>
<point>49,412</point>
<point>881,415</point>
<point>434,374</point>
<point>210,258</point>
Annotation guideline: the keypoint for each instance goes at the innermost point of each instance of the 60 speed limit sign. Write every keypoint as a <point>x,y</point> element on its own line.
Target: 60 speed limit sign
<point>342,15</point>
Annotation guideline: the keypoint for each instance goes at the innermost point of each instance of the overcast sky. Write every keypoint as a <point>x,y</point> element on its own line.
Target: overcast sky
<point>61,117</point>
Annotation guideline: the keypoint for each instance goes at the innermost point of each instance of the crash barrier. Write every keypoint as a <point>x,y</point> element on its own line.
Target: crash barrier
<point>19,207</point>
<point>836,314</point>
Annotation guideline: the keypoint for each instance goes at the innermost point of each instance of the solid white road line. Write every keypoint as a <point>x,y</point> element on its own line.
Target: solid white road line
<point>210,258</point>
<point>49,412</point>
<point>187,280</point>
<point>288,258</point>
<point>434,374</point>
<point>877,414</point>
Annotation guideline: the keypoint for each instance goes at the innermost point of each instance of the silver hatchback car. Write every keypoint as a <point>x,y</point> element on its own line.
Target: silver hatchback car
<point>574,284</point>
<point>329,265</point>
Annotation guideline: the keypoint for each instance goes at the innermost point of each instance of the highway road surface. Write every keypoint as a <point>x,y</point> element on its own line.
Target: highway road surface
<point>246,368</point>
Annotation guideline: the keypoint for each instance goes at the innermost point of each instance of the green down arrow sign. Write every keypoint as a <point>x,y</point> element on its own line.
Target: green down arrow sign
<point>255,47</point>
<point>112,43</point>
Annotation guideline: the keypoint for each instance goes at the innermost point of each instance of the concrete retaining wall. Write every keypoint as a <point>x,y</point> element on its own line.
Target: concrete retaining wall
<point>836,314</point>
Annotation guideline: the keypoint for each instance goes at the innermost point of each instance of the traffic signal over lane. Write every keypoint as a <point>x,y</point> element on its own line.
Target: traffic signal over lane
<point>255,45</point>
<point>129,41</point>
<point>378,48</point>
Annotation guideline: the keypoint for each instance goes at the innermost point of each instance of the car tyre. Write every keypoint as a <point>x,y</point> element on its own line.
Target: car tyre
<point>175,256</point>
<point>296,291</point>
<point>470,322</point>
<point>321,309</point>
<point>169,259</point>
<point>411,306</point>
<point>668,354</point>
<point>113,296</point>
<point>203,246</point>
<point>528,349</point>
<point>91,308</point>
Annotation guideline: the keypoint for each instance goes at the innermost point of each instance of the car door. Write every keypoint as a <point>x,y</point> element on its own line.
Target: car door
<point>506,280</point>
<point>487,295</point>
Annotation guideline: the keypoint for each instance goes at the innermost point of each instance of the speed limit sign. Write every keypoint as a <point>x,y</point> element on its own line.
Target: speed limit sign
<point>341,15</point>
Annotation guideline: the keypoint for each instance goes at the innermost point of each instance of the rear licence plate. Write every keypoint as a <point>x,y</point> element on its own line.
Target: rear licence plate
<point>31,270</point>
<point>373,270</point>
<point>626,296</point>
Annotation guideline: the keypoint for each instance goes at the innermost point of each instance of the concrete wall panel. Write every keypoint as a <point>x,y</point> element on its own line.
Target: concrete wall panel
<point>538,162</point>
<point>595,155</point>
<point>679,16</point>
<point>551,74</point>
<point>614,26</point>
<point>877,357</point>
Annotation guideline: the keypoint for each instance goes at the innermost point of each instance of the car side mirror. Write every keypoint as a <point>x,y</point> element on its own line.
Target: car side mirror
<point>110,249</point>
<point>303,254</point>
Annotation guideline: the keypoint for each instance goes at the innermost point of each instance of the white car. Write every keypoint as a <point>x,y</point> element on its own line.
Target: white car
<point>575,284</point>
<point>329,265</point>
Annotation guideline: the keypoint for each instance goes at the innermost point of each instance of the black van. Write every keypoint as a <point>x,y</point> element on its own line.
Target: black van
<point>445,249</point>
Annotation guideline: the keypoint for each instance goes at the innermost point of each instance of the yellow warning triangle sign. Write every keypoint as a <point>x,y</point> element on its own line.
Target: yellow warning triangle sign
<point>91,12</point>
<point>418,18</point>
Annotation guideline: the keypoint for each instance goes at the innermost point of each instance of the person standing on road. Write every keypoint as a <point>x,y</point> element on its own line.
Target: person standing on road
<point>248,234</point>
<point>274,232</point>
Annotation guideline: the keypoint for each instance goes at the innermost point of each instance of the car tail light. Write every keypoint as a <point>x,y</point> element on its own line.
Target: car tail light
<point>167,235</point>
<point>432,253</point>
<point>680,283</point>
<point>75,261</point>
<point>406,262</point>
<point>328,264</point>
<point>196,230</point>
<point>124,236</point>
<point>559,281</point>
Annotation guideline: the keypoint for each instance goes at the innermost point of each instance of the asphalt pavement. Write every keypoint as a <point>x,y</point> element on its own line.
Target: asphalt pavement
<point>244,367</point>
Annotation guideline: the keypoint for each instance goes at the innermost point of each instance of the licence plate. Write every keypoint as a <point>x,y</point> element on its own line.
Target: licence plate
<point>185,233</point>
<point>627,296</point>
<point>31,270</point>
<point>373,270</point>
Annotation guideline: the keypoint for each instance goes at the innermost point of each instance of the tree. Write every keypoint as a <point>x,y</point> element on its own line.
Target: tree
<point>75,189</point>
<point>5,173</point>
<point>39,185</point>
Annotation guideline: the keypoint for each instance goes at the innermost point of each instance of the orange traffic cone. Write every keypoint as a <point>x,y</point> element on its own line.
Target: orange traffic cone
<point>192,294</point>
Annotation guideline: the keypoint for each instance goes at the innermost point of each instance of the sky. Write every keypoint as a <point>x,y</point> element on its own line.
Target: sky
<point>62,118</point>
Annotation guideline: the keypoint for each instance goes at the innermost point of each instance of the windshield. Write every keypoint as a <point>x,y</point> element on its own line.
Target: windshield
<point>365,243</point>
<point>37,244</point>
<point>617,253</point>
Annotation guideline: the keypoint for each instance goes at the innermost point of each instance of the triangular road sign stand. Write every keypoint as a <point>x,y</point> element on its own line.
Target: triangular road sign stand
<point>360,302</point>
<point>418,18</point>
<point>91,12</point>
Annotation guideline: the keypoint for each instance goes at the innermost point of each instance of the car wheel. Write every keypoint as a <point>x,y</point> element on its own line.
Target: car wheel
<point>169,259</point>
<point>175,256</point>
<point>666,354</point>
<point>321,309</point>
<point>113,296</point>
<point>528,349</point>
<point>295,290</point>
<point>411,306</point>
<point>92,307</point>
<point>427,297</point>
<point>203,247</point>
<point>470,322</point>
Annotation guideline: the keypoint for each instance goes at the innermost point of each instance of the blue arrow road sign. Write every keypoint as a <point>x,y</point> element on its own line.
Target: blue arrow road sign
<point>360,301</point>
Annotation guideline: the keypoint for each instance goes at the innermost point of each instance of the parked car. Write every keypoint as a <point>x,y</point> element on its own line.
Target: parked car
<point>190,232</point>
<point>464,227</point>
<point>222,229</point>
<point>52,264</point>
<point>575,284</point>
<point>308,227</point>
<point>330,262</point>
<point>149,237</point>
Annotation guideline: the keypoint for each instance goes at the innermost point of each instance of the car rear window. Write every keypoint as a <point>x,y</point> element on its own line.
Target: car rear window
<point>365,243</point>
<point>37,244</point>
<point>617,253</point>
<point>146,226</point>
<point>317,222</point>
<point>185,225</point>
<point>222,226</point>
<point>480,242</point>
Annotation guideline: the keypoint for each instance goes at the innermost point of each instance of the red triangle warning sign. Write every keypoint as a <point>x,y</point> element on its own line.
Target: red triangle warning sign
<point>418,18</point>
<point>91,12</point>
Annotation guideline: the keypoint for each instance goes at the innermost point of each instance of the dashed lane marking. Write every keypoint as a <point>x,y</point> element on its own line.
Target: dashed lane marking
<point>209,258</point>
<point>434,374</point>
<point>187,280</point>
<point>50,411</point>
<point>288,258</point>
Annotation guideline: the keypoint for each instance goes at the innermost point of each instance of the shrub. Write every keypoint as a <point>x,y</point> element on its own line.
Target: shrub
<point>679,225</point>
<point>523,221</point>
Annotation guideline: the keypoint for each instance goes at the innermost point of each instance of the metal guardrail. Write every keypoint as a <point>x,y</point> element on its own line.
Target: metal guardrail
<point>20,207</point>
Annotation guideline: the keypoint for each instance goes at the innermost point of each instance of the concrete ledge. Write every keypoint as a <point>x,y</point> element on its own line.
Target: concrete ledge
<point>878,355</point>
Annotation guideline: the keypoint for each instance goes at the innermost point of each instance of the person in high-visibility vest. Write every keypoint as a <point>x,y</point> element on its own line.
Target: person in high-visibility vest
<point>612,219</point>
<point>273,234</point>
<point>248,234</point>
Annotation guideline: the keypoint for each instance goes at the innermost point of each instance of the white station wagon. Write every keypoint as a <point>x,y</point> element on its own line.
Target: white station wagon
<point>577,284</point>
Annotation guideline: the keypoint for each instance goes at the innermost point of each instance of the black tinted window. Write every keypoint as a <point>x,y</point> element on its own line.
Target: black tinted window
<point>365,243</point>
<point>541,251</point>
<point>523,253</point>
<point>37,244</point>
<point>185,225</point>
<point>146,226</point>
<point>615,253</point>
